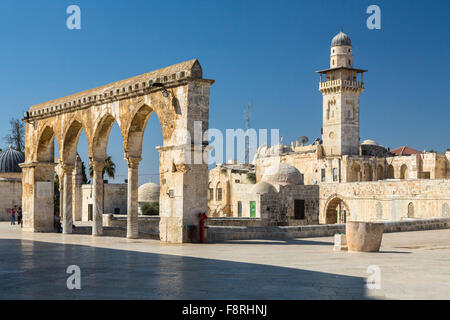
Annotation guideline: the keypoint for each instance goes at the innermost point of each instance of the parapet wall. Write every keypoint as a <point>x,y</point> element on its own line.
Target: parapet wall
<point>223,233</point>
<point>392,200</point>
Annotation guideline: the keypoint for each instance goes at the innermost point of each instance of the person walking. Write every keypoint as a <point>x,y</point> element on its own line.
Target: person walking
<point>13,215</point>
<point>19,217</point>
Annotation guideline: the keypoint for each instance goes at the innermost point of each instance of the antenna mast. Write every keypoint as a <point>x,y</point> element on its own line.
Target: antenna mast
<point>247,142</point>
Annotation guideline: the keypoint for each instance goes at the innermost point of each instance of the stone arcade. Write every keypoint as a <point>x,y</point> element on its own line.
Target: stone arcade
<point>177,94</point>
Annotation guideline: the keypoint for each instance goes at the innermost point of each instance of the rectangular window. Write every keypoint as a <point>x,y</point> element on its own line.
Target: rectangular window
<point>219,194</point>
<point>211,193</point>
<point>335,174</point>
<point>299,209</point>
<point>322,175</point>
<point>239,209</point>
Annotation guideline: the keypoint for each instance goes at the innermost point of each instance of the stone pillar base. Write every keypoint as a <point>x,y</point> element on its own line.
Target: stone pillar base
<point>340,242</point>
<point>173,230</point>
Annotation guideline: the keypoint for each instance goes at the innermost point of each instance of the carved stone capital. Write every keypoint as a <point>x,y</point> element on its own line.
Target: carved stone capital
<point>67,168</point>
<point>133,162</point>
<point>97,165</point>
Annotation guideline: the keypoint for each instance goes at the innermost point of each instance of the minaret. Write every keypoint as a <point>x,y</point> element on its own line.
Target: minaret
<point>341,90</point>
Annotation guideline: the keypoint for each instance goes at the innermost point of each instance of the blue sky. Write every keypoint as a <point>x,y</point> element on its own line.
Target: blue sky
<point>260,52</point>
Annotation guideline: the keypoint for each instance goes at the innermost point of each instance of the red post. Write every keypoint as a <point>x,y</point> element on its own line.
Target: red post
<point>202,217</point>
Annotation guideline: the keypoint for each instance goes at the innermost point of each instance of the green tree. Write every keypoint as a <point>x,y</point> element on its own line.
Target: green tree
<point>84,179</point>
<point>109,169</point>
<point>16,135</point>
<point>251,176</point>
<point>150,209</point>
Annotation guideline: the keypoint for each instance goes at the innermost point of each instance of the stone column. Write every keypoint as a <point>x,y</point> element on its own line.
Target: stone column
<point>37,196</point>
<point>61,194</point>
<point>76,190</point>
<point>67,219</point>
<point>132,198</point>
<point>183,196</point>
<point>97,197</point>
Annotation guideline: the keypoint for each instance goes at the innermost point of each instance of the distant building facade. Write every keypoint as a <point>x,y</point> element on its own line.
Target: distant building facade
<point>339,177</point>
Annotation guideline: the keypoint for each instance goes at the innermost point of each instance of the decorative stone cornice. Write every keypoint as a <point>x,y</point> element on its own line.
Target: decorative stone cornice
<point>340,86</point>
<point>172,76</point>
<point>37,164</point>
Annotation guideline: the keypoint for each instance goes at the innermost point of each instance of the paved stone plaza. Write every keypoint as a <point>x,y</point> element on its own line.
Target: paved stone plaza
<point>414,265</point>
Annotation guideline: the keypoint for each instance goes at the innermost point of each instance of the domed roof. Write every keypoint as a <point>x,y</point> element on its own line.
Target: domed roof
<point>263,187</point>
<point>369,142</point>
<point>148,192</point>
<point>10,159</point>
<point>341,39</point>
<point>282,173</point>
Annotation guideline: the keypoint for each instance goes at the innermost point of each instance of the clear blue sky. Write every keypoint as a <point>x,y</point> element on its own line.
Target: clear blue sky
<point>263,52</point>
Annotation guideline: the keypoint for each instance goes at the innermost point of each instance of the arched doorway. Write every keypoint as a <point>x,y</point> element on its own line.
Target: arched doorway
<point>404,172</point>
<point>336,211</point>
<point>368,175</point>
<point>380,175</point>
<point>355,173</point>
<point>410,210</point>
<point>390,172</point>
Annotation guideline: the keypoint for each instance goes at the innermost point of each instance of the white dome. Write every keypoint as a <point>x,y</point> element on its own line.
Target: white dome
<point>282,173</point>
<point>369,142</point>
<point>263,187</point>
<point>148,192</point>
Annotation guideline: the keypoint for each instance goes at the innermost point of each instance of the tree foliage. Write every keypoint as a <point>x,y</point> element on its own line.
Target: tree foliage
<point>109,169</point>
<point>16,135</point>
<point>150,209</point>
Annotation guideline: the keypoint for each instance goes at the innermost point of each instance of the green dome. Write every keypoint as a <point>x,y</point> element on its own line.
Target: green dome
<point>341,39</point>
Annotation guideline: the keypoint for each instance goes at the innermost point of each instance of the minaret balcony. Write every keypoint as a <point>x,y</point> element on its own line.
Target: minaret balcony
<point>341,83</point>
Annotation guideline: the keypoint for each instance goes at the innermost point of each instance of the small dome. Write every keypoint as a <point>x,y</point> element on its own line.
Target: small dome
<point>369,142</point>
<point>10,159</point>
<point>263,187</point>
<point>282,173</point>
<point>341,39</point>
<point>148,192</point>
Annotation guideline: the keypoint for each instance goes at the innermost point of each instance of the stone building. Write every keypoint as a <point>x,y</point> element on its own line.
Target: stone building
<point>226,182</point>
<point>10,182</point>
<point>114,197</point>
<point>354,180</point>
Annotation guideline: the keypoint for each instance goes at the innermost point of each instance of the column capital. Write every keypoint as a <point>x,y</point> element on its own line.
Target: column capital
<point>133,162</point>
<point>97,165</point>
<point>66,168</point>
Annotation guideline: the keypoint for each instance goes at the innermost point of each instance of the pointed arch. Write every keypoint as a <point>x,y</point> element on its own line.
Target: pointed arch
<point>45,145</point>
<point>70,142</point>
<point>390,172</point>
<point>136,129</point>
<point>380,172</point>
<point>336,210</point>
<point>99,144</point>
<point>404,172</point>
<point>368,175</point>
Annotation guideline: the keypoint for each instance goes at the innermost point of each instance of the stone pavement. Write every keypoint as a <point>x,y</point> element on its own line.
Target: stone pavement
<point>414,265</point>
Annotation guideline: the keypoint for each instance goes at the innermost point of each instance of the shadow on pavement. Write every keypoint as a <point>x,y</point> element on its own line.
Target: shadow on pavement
<point>37,270</point>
